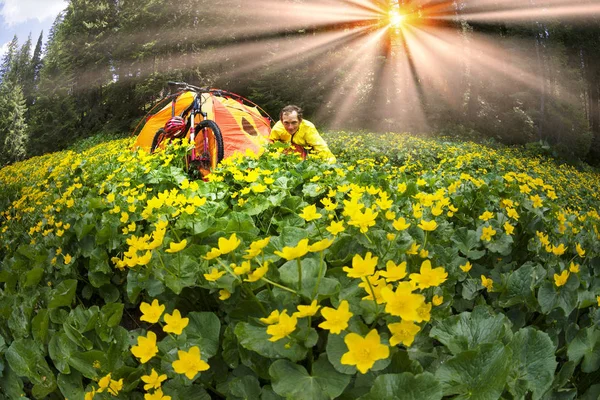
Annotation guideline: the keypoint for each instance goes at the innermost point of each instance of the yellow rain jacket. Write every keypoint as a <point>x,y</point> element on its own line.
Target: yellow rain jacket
<point>306,136</point>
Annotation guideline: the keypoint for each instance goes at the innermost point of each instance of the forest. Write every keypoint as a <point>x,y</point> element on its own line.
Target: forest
<point>451,68</point>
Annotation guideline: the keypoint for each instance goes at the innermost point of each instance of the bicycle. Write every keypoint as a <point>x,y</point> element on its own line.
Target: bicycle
<point>205,135</point>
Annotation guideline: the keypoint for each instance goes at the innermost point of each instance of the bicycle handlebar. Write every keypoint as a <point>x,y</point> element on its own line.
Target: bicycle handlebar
<point>187,86</point>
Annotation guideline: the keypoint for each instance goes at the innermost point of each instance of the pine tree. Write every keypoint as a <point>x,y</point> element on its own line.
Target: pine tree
<point>8,59</point>
<point>12,122</point>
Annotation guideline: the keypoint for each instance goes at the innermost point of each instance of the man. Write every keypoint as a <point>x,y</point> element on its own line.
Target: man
<point>292,128</point>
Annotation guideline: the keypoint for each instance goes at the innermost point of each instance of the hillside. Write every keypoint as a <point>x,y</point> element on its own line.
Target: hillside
<point>426,267</point>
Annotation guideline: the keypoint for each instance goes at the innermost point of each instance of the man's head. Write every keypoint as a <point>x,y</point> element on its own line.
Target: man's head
<point>291,117</point>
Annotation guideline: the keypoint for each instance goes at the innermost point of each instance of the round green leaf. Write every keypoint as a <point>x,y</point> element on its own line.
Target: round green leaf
<point>405,386</point>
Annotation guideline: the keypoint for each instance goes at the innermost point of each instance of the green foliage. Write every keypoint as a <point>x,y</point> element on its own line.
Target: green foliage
<point>96,242</point>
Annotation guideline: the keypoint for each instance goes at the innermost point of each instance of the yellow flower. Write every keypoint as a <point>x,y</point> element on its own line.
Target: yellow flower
<point>189,363</point>
<point>336,320</point>
<point>146,347</point>
<point>390,215</point>
<point>256,248</point>
<point>153,381</point>
<point>403,332</point>
<point>320,245</point>
<point>560,280</point>
<point>283,327</point>
<point>390,236</point>
<point>428,277</point>
<point>228,245</point>
<point>151,313</point>
<point>403,303</point>
<point>291,253</point>
<point>394,272</point>
<point>559,250</point>
<point>598,300</point>
<point>145,259</point>
<point>336,227</point>
<point>414,249</point>
<point>536,201</point>
<point>424,253</point>
<point>363,220</point>
<point>68,259</point>
<point>400,224</point>
<point>512,213</point>
<point>258,273</point>
<point>361,267</point>
<point>258,188</point>
<point>309,213</point>
<point>580,250</point>
<point>574,268</point>
<point>307,311</point>
<point>487,283</point>
<point>467,267</point>
<point>90,395</point>
<point>242,269</point>
<point>224,294</point>
<point>273,318</point>
<point>364,352</point>
<point>175,324</point>
<point>214,275</point>
<point>213,253</point>
<point>176,247</point>
<point>428,225</point>
<point>437,300</point>
<point>486,216</point>
<point>508,228</point>
<point>111,386</point>
<point>487,233</point>
<point>157,395</point>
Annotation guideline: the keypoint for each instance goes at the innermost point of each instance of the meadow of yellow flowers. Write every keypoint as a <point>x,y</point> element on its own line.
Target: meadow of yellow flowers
<point>410,269</point>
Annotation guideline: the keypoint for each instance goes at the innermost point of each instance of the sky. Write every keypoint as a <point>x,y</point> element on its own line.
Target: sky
<point>22,17</point>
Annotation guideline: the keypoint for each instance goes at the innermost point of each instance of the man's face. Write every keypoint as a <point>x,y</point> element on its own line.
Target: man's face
<point>290,122</point>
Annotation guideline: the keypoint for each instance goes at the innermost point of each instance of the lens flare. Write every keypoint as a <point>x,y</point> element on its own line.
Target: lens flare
<point>396,18</point>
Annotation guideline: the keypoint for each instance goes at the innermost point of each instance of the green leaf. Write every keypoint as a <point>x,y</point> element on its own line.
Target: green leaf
<point>111,314</point>
<point>519,286</point>
<point>63,294</point>
<point>586,345</point>
<point>293,382</point>
<point>71,385</point>
<point>470,329</point>
<point>33,277</point>
<point>465,240</point>
<point>27,360</point>
<point>245,387</point>
<point>533,364</point>
<point>11,385</point>
<point>405,386</point>
<point>331,381</point>
<point>39,326</point>
<point>476,374</point>
<point>60,349</point>
<point>203,331</point>
<point>255,338</point>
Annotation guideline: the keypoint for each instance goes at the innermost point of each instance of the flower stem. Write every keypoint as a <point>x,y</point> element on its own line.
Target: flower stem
<point>299,274</point>
<point>316,289</point>
<point>374,298</point>
<point>278,285</point>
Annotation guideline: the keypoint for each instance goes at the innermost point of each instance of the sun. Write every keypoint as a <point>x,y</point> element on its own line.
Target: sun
<point>396,18</point>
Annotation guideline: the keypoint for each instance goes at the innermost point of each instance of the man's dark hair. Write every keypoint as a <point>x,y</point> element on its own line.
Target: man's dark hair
<point>290,109</point>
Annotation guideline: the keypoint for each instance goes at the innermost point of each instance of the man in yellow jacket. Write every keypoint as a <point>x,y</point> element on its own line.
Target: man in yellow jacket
<point>292,128</point>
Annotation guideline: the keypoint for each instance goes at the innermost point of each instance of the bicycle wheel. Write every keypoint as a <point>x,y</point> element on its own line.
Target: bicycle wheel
<point>159,137</point>
<point>209,155</point>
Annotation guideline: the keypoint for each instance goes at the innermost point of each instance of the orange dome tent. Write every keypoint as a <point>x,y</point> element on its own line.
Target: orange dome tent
<point>242,124</point>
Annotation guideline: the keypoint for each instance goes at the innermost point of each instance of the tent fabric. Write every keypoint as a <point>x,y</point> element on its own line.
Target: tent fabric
<point>242,126</point>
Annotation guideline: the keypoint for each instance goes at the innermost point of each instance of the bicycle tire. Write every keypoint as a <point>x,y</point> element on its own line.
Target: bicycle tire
<point>217,152</point>
<point>159,137</point>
